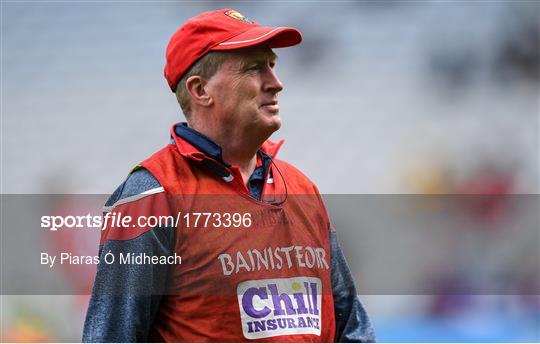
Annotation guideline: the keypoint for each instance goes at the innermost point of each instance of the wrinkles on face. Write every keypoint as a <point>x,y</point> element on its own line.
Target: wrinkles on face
<point>256,56</point>
<point>244,91</point>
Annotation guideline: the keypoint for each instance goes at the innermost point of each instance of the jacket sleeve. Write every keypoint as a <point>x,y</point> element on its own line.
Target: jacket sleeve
<point>352,321</point>
<point>125,297</point>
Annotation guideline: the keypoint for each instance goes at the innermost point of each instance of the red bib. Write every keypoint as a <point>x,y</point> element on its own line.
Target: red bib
<point>251,270</point>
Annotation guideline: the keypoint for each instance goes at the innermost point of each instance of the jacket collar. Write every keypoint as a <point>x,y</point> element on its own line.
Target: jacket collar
<point>192,144</point>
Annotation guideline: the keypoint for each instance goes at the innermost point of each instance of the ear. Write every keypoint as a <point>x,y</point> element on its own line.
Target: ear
<point>196,87</point>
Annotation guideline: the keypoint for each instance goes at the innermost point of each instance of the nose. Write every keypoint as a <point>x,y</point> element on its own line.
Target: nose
<point>271,81</point>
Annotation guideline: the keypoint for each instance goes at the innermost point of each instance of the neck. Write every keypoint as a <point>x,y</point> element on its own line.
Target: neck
<point>237,150</point>
<point>242,156</point>
<point>245,166</point>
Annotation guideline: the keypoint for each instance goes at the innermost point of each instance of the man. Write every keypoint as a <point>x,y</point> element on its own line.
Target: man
<point>262,261</point>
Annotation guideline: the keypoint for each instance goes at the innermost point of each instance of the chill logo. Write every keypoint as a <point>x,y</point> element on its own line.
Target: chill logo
<point>282,306</point>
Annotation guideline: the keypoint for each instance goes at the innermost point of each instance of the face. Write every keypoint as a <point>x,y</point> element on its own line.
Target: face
<point>244,91</point>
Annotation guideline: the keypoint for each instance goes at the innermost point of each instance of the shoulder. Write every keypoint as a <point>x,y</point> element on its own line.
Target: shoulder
<point>139,182</point>
<point>139,196</point>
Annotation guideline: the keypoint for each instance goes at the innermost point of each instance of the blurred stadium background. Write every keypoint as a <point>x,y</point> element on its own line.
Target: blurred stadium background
<point>381,98</point>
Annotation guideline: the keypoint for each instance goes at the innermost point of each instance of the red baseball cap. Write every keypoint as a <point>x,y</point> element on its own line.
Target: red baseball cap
<point>224,29</point>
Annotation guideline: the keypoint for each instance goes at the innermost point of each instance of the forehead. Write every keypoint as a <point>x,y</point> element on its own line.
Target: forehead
<point>253,54</point>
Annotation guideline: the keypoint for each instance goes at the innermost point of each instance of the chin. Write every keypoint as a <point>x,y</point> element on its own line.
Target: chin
<point>269,126</point>
<point>275,123</point>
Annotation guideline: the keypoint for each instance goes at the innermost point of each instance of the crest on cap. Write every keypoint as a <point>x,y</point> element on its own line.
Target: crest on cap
<point>238,16</point>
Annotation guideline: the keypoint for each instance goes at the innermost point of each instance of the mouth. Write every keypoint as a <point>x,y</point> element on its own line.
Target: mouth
<point>271,106</point>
